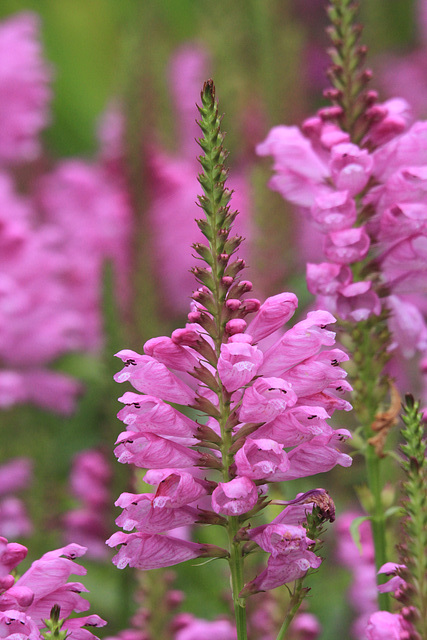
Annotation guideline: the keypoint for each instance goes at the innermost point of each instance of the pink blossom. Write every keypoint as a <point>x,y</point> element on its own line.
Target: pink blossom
<point>261,458</point>
<point>196,629</point>
<point>11,554</point>
<point>238,363</point>
<point>266,399</point>
<point>17,626</point>
<point>14,520</point>
<point>75,630</point>
<point>333,211</point>
<point>235,497</point>
<point>24,87</point>
<point>148,450</point>
<point>347,245</point>
<point>141,512</point>
<point>152,551</point>
<point>15,475</point>
<point>150,376</point>
<point>41,587</point>
<point>383,625</point>
<point>282,569</point>
<point>278,539</point>
<point>272,315</point>
<point>350,167</point>
<point>300,171</point>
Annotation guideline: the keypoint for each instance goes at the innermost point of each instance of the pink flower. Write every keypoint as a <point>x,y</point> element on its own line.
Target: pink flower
<point>238,363</point>
<point>152,551</point>
<point>282,569</point>
<point>261,459</point>
<point>383,625</point>
<point>24,87</point>
<point>196,629</point>
<point>41,587</point>
<point>235,497</point>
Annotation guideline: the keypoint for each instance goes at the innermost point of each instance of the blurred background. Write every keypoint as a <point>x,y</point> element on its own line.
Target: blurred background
<point>97,191</point>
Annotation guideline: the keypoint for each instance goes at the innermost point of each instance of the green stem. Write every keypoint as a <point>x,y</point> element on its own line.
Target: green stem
<point>237,582</point>
<point>377,518</point>
<point>294,605</point>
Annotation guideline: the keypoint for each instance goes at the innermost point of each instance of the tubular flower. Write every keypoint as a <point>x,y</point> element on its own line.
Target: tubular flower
<point>27,603</point>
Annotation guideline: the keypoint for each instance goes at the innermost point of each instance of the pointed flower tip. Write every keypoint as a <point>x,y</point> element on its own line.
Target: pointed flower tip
<point>209,88</point>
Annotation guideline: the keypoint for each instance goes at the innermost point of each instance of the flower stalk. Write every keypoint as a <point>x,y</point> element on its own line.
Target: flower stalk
<point>214,203</point>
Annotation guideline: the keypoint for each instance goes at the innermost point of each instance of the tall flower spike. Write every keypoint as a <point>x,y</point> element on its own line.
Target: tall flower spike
<point>264,408</point>
<point>349,78</point>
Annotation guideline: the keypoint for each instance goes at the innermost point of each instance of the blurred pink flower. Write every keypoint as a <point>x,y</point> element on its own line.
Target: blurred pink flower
<point>24,88</point>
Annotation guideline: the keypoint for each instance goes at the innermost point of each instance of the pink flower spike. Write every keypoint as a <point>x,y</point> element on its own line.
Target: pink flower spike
<point>261,459</point>
<point>238,364</point>
<point>235,497</point>
<point>272,315</point>
<point>145,551</point>
<point>24,87</point>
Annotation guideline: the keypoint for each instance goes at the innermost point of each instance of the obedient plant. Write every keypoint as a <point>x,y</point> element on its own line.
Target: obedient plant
<point>41,601</point>
<point>260,400</point>
<point>357,170</point>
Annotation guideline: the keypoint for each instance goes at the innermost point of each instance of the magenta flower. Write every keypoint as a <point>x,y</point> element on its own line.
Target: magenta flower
<point>284,410</point>
<point>24,87</point>
<point>383,625</point>
<point>236,497</point>
<point>152,551</point>
<point>368,201</point>
<point>195,629</point>
<point>27,603</point>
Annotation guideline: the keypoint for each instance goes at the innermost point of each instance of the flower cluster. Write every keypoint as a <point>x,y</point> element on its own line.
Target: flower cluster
<point>367,200</point>
<point>26,603</point>
<point>24,87</point>
<point>280,393</point>
<point>253,405</point>
<point>54,239</point>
